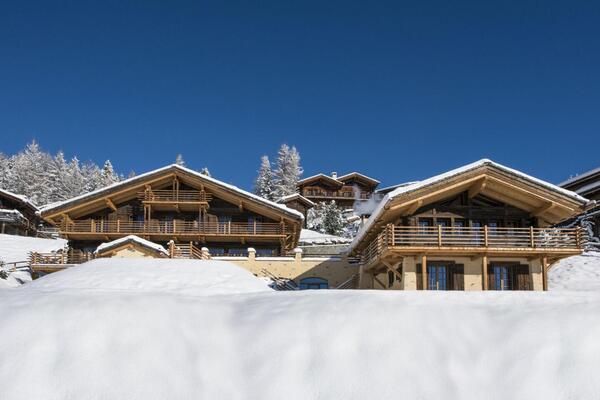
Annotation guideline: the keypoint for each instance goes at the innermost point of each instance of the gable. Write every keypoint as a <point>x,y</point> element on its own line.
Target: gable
<point>130,189</point>
<point>540,199</point>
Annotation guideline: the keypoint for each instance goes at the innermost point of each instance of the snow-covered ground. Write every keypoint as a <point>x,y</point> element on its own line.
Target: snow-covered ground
<point>148,330</point>
<point>580,273</point>
<point>310,237</point>
<point>16,248</point>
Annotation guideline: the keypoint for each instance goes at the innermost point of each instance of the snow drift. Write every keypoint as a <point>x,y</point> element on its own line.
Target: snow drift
<point>84,334</point>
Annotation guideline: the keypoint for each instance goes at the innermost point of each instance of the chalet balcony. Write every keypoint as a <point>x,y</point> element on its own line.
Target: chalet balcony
<point>525,242</point>
<point>174,196</point>
<point>90,229</point>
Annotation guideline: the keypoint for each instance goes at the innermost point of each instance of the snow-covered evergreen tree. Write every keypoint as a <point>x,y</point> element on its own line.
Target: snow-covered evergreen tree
<point>326,217</point>
<point>179,160</point>
<point>205,171</point>
<point>264,185</point>
<point>288,171</point>
<point>108,175</point>
<point>45,179</point>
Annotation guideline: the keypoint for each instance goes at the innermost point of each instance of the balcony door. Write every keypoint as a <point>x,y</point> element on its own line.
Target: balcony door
<point>437,277</point>
<point>442,275</point>
<point>509,276</point>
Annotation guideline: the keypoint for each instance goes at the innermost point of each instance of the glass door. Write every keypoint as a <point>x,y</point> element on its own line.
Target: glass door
<point>501,277</point>
<point>437,277</point>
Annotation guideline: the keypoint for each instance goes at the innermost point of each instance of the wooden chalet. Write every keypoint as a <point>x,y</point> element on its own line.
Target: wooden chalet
<point>176,204</point>
<point>297,202</point>
<point>345,190</point>
<point>587,184</point>
<point>480,227</point>
<point>18,216</point>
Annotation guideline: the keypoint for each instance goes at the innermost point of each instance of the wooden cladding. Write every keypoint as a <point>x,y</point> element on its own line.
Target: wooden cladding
<point>413,239</point>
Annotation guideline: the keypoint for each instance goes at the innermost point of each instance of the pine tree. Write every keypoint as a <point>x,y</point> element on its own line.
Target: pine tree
<point>288,171</point>
<point>179,160</point>
<point>108,175</point>
<point>264,186</point>
<point>205,171</point>
<point>326,217</point>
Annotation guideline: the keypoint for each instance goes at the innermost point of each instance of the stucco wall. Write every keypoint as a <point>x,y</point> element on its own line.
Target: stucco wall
<point>335,269</point>
<point>473,279</point>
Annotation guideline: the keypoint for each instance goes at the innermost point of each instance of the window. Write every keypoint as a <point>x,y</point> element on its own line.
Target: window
<point>443,222</point>
<point>237,252</point>
<point>437,277</point>
<point>266,252</point>
<point>216,251</point>
<point>313,283</point>
<point>501,277</point>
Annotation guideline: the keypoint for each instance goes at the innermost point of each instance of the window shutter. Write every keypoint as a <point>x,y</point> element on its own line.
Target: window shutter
<point>419,277</point>
<point>458,277</point>
<point>491,278</point>
<point>523,277</point>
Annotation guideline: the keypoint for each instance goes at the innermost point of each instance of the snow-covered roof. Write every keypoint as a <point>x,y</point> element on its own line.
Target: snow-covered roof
<point>18,197</point>
<point>392,187</point>
<point>580,177</point>
<point>359,175</point>
<point>320,176</point>
<point>295,196</point>
<point>197,174</point>
<point>131,239</point>
<point>400,191</point>
<point>311,237</point>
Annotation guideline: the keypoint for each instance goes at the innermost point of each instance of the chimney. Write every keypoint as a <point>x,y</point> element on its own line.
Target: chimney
<point>334,175</point>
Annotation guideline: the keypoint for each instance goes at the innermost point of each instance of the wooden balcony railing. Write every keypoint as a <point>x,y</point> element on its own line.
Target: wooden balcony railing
<point>483,238</point>
<point>155,227</point>
<point>60,258</point>
<point>175,196</point>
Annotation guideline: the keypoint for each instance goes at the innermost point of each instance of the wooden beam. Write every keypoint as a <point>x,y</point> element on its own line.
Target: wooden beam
<point>414,207</point>
<point>424,270</point>
<point>545,273</point>
<point>376,279</point>
<point>477,187</point>
<point>111,204</point>
<point>549,205</point>
<point>392,270</point>
<point>484,272</point>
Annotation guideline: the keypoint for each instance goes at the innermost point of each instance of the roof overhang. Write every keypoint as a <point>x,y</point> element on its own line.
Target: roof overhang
<point>326,179</point>
<point>127,189</point>
<point>542,199</point>
<point>359,177</point>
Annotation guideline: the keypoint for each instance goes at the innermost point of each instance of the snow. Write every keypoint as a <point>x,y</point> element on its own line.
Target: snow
<point>16,248</point>
<point>308,236</point>
<point>579,273</point>
<point>580,176</point>
<point>153,275</point>
<point>136,178</point>
<point>152,329</point>
<point>447,175</point>
<point>23,199</point>
<point>132,238</point>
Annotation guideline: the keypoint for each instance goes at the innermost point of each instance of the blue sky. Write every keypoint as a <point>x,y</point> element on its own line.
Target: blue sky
<point>396,90</point>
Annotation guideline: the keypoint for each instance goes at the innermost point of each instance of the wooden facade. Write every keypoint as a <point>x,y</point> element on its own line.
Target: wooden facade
<point>177,204</point>
<point>17,215</point>
<point>345,190</point>
<point>482,215</point>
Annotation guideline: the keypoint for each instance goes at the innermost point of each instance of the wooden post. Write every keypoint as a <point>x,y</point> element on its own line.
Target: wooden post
<point>485,235</point>
<point>578,237</point>
<point>254,226</point>
<point>545,273</point>
<point>172,249</point>
<point>484,268</point>
<point>118,225</point>
<point>424,271</point>
<point>531,237</point>
<point>393,235</point>
<point>439,236</point>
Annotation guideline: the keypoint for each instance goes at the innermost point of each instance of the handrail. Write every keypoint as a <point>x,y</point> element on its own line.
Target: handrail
<point>474,237</point>
<point>175,196</point>
<point>173,227</point>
